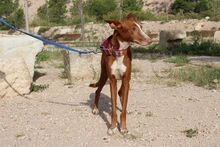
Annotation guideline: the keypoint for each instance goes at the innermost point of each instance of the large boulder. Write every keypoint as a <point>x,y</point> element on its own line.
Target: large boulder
<point>85,67</point>
<point>17,59</point>
<point>217,36</point>
<point>169,38</point>
<point>82,67</point>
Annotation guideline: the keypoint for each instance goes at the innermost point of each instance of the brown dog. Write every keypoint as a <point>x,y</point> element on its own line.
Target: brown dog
<point>116,65</point>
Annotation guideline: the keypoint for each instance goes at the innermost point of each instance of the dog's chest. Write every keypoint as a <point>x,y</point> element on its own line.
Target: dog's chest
<point>118,68</point>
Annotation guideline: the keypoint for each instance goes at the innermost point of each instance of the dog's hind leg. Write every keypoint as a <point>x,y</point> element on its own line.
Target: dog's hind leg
<point>100,84</point>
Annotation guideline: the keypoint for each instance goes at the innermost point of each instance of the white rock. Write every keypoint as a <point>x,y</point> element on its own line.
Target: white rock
<point>207,17</point>
<point>36,29</point>
<point>217,36</point>
<point>66,30</point>
<point>84,67</point>
<point>198,26</point>
<point>17,59</point>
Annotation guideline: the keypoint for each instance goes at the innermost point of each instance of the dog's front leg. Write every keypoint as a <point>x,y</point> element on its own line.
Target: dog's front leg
<point>125,88</point>
<point>113,90</point>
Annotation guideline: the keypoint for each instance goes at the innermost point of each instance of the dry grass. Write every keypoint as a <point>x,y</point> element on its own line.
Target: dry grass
<point>204,76</point>
<point>178,60</point>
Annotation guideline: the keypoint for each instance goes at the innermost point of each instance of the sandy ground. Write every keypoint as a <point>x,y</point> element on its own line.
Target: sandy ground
<point>157,114</point>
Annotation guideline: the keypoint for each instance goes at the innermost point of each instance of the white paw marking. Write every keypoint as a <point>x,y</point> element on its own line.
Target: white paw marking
<point>112,131</point>
<point>95,111</point>
<point>124,131</point>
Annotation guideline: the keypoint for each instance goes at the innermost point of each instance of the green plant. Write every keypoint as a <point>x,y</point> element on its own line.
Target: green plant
<point>147,15</point>
<point>48,56</point>
<point>36,88</point>
<point>42,30</point>
<point>42,11</point>
<point>135,70</point>
<point>112,15</point>
<point>99,8</point>
<point>149,114</point>
<point>17,18</point>
<point>184,6</point>
<point>204,76</point>
<point>37,21</point>
<point>188,6</point>
<point>196,9</point>
<point>132,5</point>
<point>11,11</point>
<point>57,10</point>
<point>203,5</point>
<point>215,11</point>
<point>197,48</point>
<point>152,52</point>
<point>141,15</point>
<point>172,83</point>
<point>75,19</point>
<point>191,132</point>
<point>61,65</point>
<point>178,60</point>
<point>154,48</point>
<point>53,11</point>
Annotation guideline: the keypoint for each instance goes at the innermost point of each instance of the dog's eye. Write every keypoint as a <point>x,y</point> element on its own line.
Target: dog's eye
<point>133,29</point>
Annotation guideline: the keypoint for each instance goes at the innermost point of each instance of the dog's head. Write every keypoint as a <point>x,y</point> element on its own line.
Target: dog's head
<point>130,30</point>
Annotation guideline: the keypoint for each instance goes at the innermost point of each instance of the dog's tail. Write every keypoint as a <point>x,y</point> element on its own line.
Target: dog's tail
<point>94,85</point>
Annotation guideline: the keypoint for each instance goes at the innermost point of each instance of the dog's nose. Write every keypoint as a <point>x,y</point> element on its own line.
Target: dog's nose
<point>150,41</point>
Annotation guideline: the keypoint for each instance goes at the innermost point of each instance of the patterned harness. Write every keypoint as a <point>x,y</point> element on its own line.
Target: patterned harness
<point>108,49</point>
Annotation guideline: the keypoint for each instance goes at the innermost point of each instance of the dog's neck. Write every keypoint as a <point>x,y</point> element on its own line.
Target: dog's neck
<point>118,43</point>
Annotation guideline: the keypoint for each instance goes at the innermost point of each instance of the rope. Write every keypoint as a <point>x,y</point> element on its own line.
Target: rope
<point>46,40</point>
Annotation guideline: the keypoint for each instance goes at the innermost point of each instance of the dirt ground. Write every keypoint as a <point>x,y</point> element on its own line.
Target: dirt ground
<point>60,116</point>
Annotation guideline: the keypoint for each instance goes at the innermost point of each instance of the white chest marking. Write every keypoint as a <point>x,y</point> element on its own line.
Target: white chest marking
<point>124,45</point>
<point>118,68</point>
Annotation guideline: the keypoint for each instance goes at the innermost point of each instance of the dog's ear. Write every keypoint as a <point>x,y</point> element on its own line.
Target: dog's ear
<point>131,17</point>
<point>114,24</point>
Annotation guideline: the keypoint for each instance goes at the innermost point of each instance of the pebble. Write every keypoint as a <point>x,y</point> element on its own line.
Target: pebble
<point>213,90</point>
<point>106,139</point>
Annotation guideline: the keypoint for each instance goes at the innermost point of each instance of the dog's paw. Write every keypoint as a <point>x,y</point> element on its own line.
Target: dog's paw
<point>111,131</point>
<point>95,111</point>
<point>124,131</point>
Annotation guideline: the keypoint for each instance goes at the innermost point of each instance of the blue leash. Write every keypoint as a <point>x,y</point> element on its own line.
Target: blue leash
<point>46,40</point>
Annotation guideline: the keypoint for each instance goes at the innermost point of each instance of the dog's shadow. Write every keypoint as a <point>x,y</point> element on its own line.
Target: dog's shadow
<point>104,106</point>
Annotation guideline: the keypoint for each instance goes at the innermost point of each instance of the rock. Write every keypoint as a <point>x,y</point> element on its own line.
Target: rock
<point>50,33</point>
<point>17,59</point>
<point>35,30</point>
<point>65,30</point>
<point>53,31</point>
<point>83,67</point>
<point>170,38</point>
<point>207,17</point>
<point>215,81</point>
<point>217,36</point>
<point>198,26</point>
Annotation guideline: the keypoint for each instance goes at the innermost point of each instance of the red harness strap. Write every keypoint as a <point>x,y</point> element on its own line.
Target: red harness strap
<point>105,47</point>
